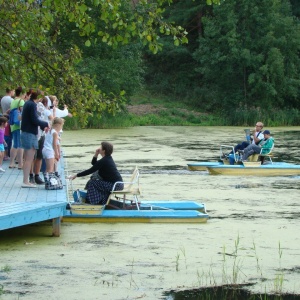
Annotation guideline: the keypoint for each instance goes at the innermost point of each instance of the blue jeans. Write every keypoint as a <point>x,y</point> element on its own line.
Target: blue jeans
<point>8,140</point>
<point>16,135</point>
<point>251,150</point>
<point>241,146</point>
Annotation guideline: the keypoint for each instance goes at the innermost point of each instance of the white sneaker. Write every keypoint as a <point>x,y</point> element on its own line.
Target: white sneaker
<point>2,170</point>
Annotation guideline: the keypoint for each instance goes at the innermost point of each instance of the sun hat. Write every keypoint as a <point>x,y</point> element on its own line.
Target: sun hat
<point>266,132</point>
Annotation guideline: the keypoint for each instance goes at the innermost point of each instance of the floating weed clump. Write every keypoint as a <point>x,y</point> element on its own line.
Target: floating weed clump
<point>225,292</point>
<point>6,269</point>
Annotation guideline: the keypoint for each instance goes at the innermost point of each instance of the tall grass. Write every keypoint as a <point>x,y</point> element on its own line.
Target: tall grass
<point>271,117</point>
<point>235,284</point>
<point>171,117</point>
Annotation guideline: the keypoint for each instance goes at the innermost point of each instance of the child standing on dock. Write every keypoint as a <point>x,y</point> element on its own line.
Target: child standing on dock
<point>3,123</point>
<point>51,153</point>
<point>51,148</point>
<point>8,139</point>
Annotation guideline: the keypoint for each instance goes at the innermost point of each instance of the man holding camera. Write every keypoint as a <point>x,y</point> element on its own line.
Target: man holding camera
<point>256,137</point>
<point>264,146</point>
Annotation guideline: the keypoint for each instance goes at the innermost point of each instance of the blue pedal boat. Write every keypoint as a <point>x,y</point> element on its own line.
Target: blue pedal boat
<point>124,206</point>
<point>258,165</point>
<point>144,212</point>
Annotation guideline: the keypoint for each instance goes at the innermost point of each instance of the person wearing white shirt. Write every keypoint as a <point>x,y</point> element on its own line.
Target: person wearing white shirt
<point>58,112</point>
<point>256,137</point>
<point>7,100</point>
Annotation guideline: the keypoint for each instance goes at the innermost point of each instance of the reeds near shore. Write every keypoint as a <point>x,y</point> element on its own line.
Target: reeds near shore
<point>235,284</point>
<point>270,117</point>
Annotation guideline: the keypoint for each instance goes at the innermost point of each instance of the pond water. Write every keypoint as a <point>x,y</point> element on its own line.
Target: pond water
<point>251,238</point>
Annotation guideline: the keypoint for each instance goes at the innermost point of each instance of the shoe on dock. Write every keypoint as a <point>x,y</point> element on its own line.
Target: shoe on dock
<point>38,179</point>
<point>28,185</point>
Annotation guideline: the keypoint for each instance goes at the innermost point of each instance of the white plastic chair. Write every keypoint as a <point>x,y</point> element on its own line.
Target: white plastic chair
<point>131,187</point>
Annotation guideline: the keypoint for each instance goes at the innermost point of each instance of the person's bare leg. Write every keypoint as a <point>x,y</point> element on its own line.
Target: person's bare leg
<point>36,169</point>
<point>28,160</point>
<point>20,153</point>
<point>32,165</point>
<point>37,166</point>
<point>1,161</point>
<point>50,165</point>
<point>13,154</point>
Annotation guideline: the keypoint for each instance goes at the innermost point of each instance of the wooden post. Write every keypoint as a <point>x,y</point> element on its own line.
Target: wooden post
<point>56,227</point>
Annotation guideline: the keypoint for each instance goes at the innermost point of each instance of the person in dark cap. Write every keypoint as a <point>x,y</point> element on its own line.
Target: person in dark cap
<point>263,147</point>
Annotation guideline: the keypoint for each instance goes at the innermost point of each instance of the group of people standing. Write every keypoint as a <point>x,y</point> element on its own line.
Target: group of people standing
<point>35,137</point>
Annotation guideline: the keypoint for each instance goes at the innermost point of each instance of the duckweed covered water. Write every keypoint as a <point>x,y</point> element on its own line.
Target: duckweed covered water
<point>251,238</point>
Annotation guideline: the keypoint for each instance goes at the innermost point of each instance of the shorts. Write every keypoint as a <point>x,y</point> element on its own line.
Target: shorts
<point>39,153</point>
<point>29,141</point>
<point>16,135</point>
<point>47,154</point>
<point>2,148</point>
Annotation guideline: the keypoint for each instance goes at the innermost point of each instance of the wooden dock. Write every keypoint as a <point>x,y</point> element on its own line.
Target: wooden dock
<point>22,206</point>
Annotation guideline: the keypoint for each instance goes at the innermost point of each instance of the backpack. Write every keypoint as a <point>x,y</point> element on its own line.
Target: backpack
<point>14,115</point>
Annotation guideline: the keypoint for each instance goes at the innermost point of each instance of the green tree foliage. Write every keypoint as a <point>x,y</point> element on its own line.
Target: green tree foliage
<point>30,55</point>
<point>248,55</point>
<point>295,7</point>
<point>240,53</point>
<point>171,71</point>
<point>113,68</point>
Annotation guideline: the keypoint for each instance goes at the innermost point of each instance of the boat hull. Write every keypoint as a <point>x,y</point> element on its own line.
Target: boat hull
<point>135,216</point>
<point>150,212</point>
<point>263,170</point>
<point>202,166</point>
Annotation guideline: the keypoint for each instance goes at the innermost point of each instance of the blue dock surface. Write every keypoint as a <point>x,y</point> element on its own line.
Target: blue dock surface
<point>22,206</point>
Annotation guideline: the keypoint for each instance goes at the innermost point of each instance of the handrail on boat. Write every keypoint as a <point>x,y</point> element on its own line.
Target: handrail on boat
<point>236,158</point>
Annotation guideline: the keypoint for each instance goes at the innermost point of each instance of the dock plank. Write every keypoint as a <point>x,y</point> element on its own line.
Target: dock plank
<point>22,206</point>
<point>28,214</point>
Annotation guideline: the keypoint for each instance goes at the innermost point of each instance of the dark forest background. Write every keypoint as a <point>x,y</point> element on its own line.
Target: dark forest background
<point>241,62</point>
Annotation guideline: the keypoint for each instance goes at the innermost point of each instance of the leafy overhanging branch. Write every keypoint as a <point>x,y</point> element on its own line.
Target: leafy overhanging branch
<point>30,57</point>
